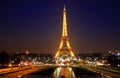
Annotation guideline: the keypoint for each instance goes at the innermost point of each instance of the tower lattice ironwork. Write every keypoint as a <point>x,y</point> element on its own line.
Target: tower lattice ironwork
<point>64,47</point>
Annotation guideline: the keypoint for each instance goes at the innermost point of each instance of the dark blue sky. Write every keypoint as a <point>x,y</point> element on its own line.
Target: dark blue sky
<point>93,25</point>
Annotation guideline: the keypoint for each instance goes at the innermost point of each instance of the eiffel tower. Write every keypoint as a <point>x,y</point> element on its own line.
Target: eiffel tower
<point>64,47</point>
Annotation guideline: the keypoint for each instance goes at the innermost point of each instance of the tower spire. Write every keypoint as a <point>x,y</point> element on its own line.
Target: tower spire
<point>64,31</point>
<point>64,47</point>
<point>64,7</point>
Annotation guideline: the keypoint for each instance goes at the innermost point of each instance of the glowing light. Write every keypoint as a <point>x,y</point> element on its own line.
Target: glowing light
<point>57,54</point>
<point>118,54</point>
<point>10,65</point>
<point>57,72</point>
<point>99,63</point>
<point>61,44</point>
<point>27,52</point>
<point>64,47</point>
<point>68,44</point>
<point>72,54</point>
<point>64,33</point>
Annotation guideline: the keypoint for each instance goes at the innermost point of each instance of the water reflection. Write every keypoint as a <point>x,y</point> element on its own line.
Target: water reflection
<point>64,72</point>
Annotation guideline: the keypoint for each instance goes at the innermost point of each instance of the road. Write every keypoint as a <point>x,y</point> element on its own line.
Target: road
<point>18,74</point>
<point>67,72</point>
<point>8,69</point>
<point>104,72</point>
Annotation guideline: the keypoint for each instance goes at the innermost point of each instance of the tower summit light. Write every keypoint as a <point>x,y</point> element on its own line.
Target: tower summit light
<point>64,47</point>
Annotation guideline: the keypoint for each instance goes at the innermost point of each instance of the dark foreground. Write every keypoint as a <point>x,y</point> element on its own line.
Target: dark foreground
<point>63,72</point>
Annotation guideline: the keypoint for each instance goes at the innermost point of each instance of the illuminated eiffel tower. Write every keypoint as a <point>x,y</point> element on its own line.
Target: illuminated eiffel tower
<point>64,47</point>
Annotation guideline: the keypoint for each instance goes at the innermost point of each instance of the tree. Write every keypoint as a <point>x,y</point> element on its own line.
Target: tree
<point>113,60</point>
<point>4,58</point>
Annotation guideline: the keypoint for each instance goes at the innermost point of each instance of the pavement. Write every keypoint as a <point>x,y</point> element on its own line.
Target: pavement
<point>13,69</point>
<point>18,72</point>
<point>104,73</point>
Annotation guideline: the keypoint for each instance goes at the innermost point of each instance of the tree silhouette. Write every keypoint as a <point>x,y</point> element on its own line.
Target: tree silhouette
<point>4,58</point>
<point>113,60</point>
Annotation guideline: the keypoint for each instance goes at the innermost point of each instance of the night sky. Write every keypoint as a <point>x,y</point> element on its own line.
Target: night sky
<point>93,25</point>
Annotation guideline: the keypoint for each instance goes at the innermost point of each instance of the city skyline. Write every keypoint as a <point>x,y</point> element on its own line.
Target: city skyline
<point>36,25</point>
